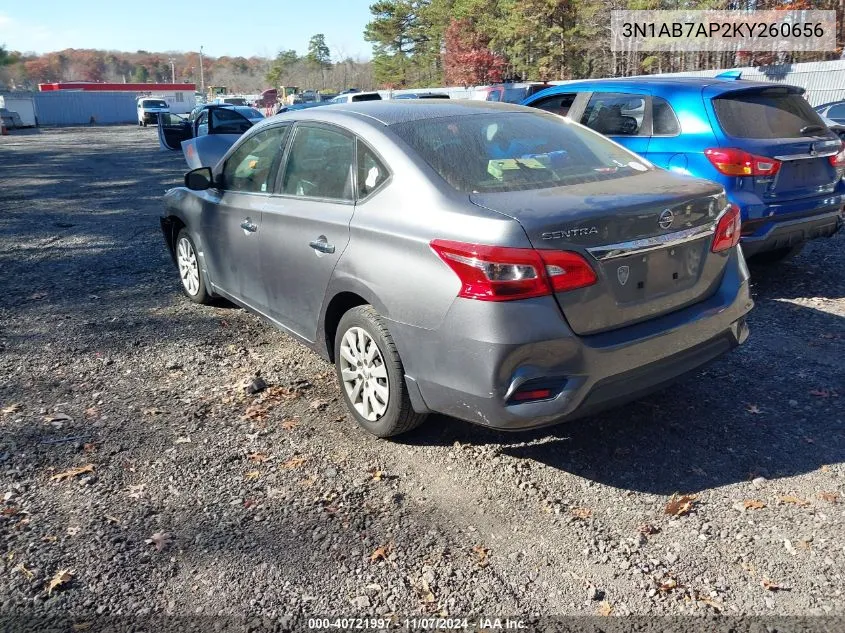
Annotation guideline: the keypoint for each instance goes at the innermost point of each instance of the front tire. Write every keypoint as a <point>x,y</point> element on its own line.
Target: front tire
<point>190,272</point>
<point>371,375</point>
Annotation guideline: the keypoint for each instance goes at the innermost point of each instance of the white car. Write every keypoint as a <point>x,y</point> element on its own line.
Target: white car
<point>354,97</point>
<point>149,108</point>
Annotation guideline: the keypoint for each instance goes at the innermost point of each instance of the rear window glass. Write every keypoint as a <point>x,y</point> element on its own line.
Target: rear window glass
<point>516,151</point>
<point>766,114</point>
<point>369,97</point>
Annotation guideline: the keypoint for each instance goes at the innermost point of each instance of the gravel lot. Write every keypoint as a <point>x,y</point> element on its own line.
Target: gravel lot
<point>203,499</point>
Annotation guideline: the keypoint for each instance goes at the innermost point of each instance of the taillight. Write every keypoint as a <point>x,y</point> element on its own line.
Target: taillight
<point>498,273</point>
<point>736,162</point>
<point>727,230</point>
<point>838,160</point>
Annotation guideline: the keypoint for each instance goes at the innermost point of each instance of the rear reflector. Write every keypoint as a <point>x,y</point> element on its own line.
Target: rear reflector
<point>736,162</point>
<point>498,273</point>
<point>533,394</point>
<point>727,230</point>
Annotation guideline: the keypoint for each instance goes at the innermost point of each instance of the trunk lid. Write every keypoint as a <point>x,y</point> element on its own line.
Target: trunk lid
<point>777,122</point>
<point>647,236</point>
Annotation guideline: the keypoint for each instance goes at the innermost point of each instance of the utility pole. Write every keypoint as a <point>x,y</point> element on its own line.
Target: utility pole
<point>172,71</point>
<point>202,77</point>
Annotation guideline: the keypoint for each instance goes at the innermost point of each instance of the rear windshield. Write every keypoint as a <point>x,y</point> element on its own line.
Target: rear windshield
<point>766,114</point>
<point>370,97</point>
<point>153,103</point>
<point>516,151</point>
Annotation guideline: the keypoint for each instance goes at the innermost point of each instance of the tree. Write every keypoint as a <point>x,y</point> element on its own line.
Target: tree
<point>319,55</point>
<point>467,60</point>
<point>5,57</point>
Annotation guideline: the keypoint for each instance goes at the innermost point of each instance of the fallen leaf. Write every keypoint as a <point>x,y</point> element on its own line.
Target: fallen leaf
<point>12,408</point>
<point>281,393</point>
<point>294,462</point>
<point>58,417</point>
<point>49,538</point>
<point>252,475</point>
<point>749,568</point>
<point>287,425</point>
<point>680,505</point>
<point>773,586</point>
<point>136,491</point>
<point>718,606</point>
<point>380,553</point>
<point>90,447</point>
<point>62,577</point>
<point>825,468</point>
<point>92,412</point>
<point>258,458</point>
<point>795,500</point>
<point>255,412</point>
<point>154,411</point>
<point>753,408</point>
<point>820,393</point>
<point>753,504</point>
<point>183,440</point>
<point>73,530</point>
<point>376,474</point>
<point>481,553</point>
<point>604,608</point>
<point>802,544</point>
<point>26,572</point>
<point>82,626</point>
<point>648,528</point>
<point>830,497</point>
<point>581,513</point>
<point>667,584</point>
<point>73,472</point>
<point>111,519</point>
<point>319,404</point>
<point>160,540</point>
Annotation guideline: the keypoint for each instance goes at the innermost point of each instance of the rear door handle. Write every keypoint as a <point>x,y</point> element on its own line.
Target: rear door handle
<point>322,245</point>
<point>246,225</point>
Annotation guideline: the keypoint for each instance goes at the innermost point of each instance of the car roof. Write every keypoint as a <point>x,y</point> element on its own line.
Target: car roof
<point>668,84</point>
<point>390,112</point>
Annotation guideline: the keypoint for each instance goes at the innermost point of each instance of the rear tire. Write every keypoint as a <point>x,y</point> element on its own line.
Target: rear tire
<point>371,375</point>
<point>777,255</point>
<point>190,271</point>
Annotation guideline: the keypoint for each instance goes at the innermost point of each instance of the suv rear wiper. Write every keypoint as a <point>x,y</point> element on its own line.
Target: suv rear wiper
<point>811,129</point>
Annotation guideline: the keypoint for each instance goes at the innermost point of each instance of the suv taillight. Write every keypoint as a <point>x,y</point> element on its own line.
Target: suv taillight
<point>498,273</point>
<point>727,230</point>
<point>736,162</point>
<point>838,160</point>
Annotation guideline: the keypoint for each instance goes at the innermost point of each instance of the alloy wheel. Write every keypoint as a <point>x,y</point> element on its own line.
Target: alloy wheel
<point>189,270</point>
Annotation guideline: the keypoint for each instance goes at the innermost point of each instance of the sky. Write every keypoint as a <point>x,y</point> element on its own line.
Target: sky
<point>234,27</point>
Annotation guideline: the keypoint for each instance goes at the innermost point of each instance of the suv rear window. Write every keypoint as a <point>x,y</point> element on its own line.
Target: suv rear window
<point>366,97</point>
<point>770,113</point>
<point>516,151</point>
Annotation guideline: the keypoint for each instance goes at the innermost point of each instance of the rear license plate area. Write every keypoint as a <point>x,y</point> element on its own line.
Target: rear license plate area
<point>656,273</point>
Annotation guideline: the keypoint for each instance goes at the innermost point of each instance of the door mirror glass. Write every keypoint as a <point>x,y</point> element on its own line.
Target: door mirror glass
<point>199,179</point>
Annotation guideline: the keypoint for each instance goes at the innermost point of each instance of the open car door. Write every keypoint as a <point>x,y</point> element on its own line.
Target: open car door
<point>214,132</point>
<point>172,130</point>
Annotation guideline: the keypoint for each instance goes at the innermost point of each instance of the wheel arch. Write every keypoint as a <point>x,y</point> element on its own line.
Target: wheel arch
<point>339,300</point>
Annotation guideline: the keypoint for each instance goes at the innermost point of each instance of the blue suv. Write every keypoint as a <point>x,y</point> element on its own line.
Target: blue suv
<point>778,162</point>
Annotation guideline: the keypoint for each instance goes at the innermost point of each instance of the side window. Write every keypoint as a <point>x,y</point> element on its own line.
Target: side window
<point>836,112</point>
<point>558,104</point>
<point>614,113</point>
<point>227,121</point>
<point>319,164</point>
<point>663,119</point>
<point>253,166</point>
<point>371,172</point>
<point>202,123</point>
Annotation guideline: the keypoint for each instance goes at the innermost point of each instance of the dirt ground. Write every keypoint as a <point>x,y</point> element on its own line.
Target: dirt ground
<point>193,498</point>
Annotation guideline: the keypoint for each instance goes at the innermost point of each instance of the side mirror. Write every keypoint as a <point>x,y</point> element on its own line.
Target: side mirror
<point>199,179</point>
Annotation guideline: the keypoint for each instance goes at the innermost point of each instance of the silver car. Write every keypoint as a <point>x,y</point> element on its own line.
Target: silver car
<point>490,262</point>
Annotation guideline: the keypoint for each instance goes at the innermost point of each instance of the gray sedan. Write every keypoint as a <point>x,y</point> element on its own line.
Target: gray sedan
<point>491,262</point>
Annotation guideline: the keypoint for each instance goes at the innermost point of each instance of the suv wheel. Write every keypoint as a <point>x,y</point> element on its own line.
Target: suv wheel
<point>371,375</point>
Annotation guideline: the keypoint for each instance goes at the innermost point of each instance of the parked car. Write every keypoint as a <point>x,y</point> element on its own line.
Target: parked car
<point>507,92</point>
<point>149,110</point>
<point>220,124</point>
<point>486,261</point>
<point>835,111</point>
<point>764,143</point>
<point>421,95</point>
<point>839,128</point>
<point>11,119</point>
<point>354,97</point>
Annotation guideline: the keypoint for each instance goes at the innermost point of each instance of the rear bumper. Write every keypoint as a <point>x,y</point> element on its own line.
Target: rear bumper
<point>470,366</point>
<point>786,233</point>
